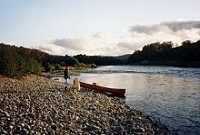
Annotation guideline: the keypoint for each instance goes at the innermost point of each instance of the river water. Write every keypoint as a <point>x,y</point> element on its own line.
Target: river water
<point>170,95</point>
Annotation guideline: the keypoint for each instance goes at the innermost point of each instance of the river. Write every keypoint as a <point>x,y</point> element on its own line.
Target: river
<point>170,95</point>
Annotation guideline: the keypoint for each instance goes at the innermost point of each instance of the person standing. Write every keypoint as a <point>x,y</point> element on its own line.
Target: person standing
<point>66,76</point>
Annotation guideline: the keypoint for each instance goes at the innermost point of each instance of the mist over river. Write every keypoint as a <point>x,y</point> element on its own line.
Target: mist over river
<point>170,95</point>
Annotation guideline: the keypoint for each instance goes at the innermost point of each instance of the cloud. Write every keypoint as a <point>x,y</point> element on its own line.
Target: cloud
<point>186,25</point>
<point>96,44</point>
<point>126,47</point>
<point>173,26</point>
<point>70,43</point>
<point>131,39</point>
<point>145,29</point>
<point>175,31</point>
<point>102,36</point>
<point>53,49</point>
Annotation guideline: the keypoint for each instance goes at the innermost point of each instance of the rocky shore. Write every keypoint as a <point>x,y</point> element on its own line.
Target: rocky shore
<point>36,105</point>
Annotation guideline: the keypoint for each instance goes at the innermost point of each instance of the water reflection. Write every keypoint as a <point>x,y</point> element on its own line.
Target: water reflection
<point>171,95</point>
<point>168,94</point>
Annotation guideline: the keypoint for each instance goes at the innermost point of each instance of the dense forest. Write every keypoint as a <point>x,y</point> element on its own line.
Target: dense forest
<point>185,55</point>
<point>20,61</point>
<point>99,60</point>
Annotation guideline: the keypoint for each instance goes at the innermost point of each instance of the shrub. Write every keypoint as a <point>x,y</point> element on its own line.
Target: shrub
<point>49,67</point>
<point>71,61</point>
<point>33,67</point>
<point>57,67</point>
<point>14,65</point>
<point>93,65</point>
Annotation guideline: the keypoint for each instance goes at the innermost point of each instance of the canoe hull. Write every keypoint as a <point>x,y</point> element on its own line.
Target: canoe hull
<point>114,91</point>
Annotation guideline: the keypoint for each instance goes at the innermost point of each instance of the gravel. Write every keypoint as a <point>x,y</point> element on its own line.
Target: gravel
<point>38,105</point>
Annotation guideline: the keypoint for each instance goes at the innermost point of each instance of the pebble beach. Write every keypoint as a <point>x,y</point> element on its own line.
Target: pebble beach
<point>37,105</point>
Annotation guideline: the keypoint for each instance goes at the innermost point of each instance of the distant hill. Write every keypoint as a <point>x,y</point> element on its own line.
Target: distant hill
<point>98,60</point>
<point>123,58</point>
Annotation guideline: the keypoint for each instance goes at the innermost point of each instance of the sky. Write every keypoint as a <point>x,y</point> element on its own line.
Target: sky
<point>97,27</point>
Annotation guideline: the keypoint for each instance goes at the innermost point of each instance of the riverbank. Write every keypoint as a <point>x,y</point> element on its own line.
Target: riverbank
<point>37,105</point>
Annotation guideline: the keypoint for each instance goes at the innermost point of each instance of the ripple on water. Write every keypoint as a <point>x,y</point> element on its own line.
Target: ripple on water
<point>169,94</point>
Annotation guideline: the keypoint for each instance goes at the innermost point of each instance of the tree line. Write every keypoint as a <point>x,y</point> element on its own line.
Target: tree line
<point>19,61</point>
<point>99,60</point>
<point>185,55</point>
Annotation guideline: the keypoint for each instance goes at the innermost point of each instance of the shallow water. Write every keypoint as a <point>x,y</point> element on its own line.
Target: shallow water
<point>170,95</point>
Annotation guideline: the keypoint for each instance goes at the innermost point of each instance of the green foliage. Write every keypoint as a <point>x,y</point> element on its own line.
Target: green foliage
<point>188,54</point>
<point>49,67</point>
<point>14,64</point>
<point>54,59</point>
<point>186,43</point>
<point>62,64</point>
<point>93,66</point>
<point>155,51</point>
<point>83,66</point>
<point>33,67</point>
<point>72,61</point>
<point>135,57</point>
<point>19,61</point>
<point>98,60</point>
<point>57,67</point>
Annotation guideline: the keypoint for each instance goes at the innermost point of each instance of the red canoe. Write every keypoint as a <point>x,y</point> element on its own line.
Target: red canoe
<point>114,91</point>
